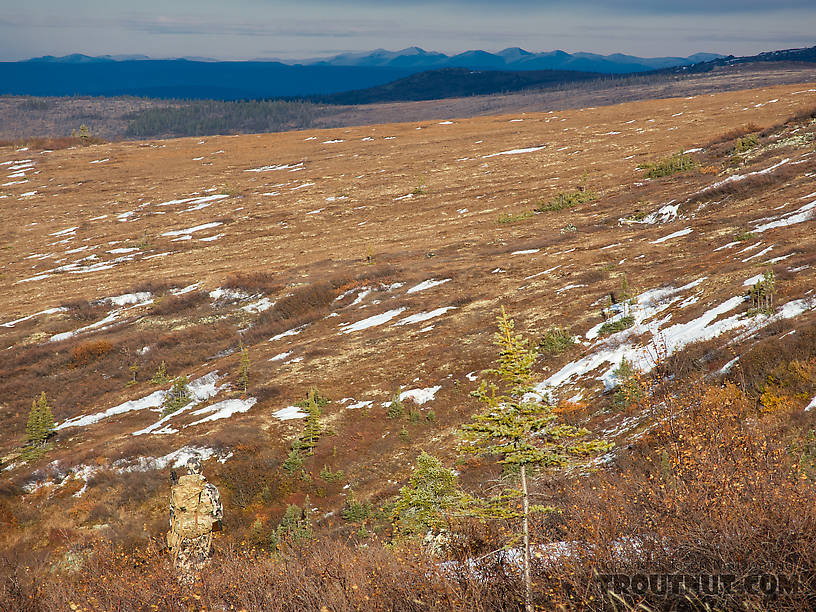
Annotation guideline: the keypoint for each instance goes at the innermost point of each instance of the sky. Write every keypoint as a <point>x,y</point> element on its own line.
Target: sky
<point>250,29</point>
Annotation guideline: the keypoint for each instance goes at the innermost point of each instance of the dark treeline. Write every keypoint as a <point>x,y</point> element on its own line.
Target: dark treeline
<point>207,117</point>
<point>458,82</point>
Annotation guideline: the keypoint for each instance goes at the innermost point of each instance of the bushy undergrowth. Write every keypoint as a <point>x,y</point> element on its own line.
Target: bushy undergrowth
<point>720,479</point>
<point>324,576</point>
<point>715,488</point>
<point>611,327</point>
<point>679,162</point>
<point>509,218</point>
<point>746,143</point>
<point>174,304</point>
<point>555,341</point>
<point>566,200</point>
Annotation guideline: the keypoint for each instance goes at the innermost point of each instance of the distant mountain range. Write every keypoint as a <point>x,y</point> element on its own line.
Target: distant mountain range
<point>806,54</point>
<point>416,59</point>
<point>183,79</point>
<point>410,74</point>
<point>512,58</point>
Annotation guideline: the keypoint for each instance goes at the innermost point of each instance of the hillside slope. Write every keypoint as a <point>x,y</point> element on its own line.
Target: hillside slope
<point>372,261</point>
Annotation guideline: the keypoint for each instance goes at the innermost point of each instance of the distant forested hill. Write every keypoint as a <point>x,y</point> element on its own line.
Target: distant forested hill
<point>455,83</point>
<point>186,79</point>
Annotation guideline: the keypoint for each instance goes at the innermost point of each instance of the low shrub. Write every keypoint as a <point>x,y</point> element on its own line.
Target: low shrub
<point>253,282</point>
<point>88,352</point>
<point>739,132</point>
<point>304,305</point>
<point>555,341</point>
<point>610,327</point>
<point>679,162</point>
<point>84,310</point>
<point>746,144</point>
<point>566,200</point>
<point>509,218</point>
<point>173,304</point>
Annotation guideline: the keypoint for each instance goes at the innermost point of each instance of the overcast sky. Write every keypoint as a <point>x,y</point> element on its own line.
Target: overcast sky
<point>247,29</point>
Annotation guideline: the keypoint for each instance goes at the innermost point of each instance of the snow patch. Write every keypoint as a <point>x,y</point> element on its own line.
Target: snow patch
<point>682,232</point>
<point>224,409</point>
<point>514,152</point>
<point>191,230</point>
<point>372,321</point>
<point>424,316</point>
<point>289,413</point>
<point>289,332</point>
<point>428,284</point>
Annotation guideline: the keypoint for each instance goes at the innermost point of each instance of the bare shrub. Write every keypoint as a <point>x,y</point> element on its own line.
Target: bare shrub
<point>90,351</point>
<point>173,304</point>
<point>84,310</point>
<point>253,282</point>
<point>733,134</point>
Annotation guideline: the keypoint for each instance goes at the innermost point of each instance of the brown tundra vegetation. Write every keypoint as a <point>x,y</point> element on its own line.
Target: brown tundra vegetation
<point>369,263</point>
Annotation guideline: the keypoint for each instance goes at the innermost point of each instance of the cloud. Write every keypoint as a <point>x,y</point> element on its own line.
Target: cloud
<point>311,28</point>
<point>641,7</point>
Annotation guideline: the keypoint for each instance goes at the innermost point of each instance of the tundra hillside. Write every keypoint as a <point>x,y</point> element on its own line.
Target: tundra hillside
<point>180,296</point>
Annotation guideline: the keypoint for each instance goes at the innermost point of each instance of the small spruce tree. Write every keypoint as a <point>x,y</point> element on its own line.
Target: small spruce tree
<point>160,377</point>
<point>294,461</point>
<point>354,510</point>
<point>427,501</point>
<point>625,295</point>
<point>40,423</point>
<point>243,371</point>
<point>312,430</point>
<point>520,431</point>
<point>762,293</point>
<point>396,408</point>
<point>177,397</point>
<point>296,525</point>
<point>39,427</point>
<point>629,391</point>
<point>33,433</point>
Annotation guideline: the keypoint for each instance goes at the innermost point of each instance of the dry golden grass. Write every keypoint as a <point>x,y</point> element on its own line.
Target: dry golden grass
<point>340,226</point>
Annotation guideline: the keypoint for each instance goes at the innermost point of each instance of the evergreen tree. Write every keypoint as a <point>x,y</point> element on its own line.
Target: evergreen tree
<point>296,525</point>
<point>625,295</point>
<point>396,408</point>
<point>521,431</point>
<point>294,461</point>
<point>762,293</point>
<point>40,424</point>
<point>33,433</point>
<point>312,430</point>
<point>355,511</point>
<point>431,495</point>
<point>46,418</point>
<point>629,391</point>
<point>160,377</point>
<point>177,397</point>
<point>243,371</point>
